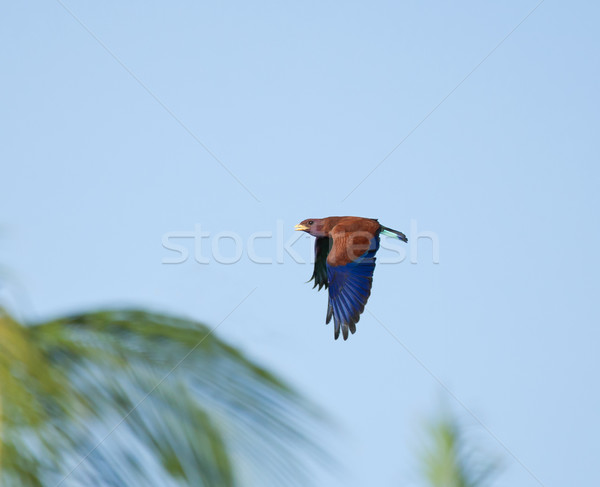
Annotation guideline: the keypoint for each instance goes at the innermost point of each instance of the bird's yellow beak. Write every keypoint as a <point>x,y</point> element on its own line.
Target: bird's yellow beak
<point>301,227</point>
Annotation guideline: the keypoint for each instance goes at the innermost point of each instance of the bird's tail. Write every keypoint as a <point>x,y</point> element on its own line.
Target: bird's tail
<point>393,233</point>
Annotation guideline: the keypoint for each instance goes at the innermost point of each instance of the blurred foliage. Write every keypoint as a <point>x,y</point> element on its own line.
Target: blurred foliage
<point>448,459</point>
<point>132,398</point>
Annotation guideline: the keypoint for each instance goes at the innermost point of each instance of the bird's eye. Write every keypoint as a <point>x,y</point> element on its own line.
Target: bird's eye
<point>310,222</point>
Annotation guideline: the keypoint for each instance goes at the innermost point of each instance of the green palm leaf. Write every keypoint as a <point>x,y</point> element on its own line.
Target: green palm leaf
<point>449,460</point>
<point>212,419</point>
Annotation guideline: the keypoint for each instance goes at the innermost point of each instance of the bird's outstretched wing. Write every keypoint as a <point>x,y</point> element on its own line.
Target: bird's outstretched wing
<point>322,248</point>
<point>350,266</point>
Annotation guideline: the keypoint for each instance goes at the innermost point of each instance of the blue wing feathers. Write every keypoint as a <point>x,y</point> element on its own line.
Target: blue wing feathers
<point>336,318</point>
<point>349,290</point>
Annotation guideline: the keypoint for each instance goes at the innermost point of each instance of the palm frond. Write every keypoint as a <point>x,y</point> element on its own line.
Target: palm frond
<point>213,419</point>
<point>449,460</point>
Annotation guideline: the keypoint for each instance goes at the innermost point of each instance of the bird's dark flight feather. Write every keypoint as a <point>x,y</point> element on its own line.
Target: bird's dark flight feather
<point>322,247</point>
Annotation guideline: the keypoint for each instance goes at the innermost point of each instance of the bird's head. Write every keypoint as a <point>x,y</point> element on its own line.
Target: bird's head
<point>314,226</point>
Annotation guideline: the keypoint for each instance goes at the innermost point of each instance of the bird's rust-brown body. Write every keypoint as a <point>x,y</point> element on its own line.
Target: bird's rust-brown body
<point>345,248</point>
<point>351,238</point>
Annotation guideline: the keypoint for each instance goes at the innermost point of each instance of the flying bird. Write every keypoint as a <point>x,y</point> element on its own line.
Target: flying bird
<point>345,249</point>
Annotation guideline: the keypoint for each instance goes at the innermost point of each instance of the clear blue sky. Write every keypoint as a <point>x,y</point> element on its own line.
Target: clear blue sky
<point>300,101</point>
